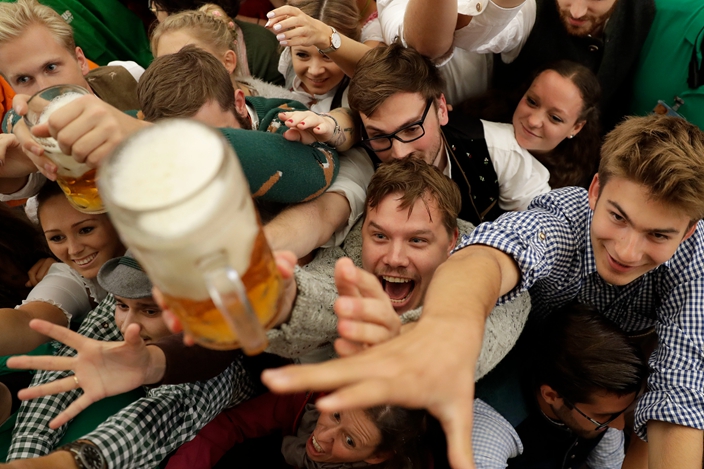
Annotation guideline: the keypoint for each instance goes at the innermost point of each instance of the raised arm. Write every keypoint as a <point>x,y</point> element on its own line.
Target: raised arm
<point>294,28</point>
<point>304,227</point>
<point>671,445</point>
<point>16,336</point>
<point>433,365</point>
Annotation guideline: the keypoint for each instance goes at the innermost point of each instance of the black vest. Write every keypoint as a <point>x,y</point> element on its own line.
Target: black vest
<point>613,60</point>
<point>472,169</point>
<point>546,444</point>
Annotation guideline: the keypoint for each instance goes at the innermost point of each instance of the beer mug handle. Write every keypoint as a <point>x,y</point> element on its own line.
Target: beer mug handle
<point>226,288</point>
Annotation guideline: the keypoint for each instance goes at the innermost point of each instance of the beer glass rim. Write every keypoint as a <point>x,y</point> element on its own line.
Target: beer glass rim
<point>105,188</point>
<point>67,87</point>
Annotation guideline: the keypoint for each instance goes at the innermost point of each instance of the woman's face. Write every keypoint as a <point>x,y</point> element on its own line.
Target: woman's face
<point>318,74</point>
<point>548,113</point>
<point>344,437</point>
<point>84,242</point>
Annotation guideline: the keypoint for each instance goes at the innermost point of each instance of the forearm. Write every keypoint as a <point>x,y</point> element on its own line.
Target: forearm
<point>671,445</point>
<point>349,53</point>
<point>307,226</point>
<point>173,362</point>
<point>429,26</point>
<point>348,122</point>
<point>63,459</point>
<point>174,415</point>
<point>16,337</point>
<point>12,185</point>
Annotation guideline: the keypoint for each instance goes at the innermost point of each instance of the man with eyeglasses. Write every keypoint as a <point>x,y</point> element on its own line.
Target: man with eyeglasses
<point>399,96</point>
<point>558,400</point>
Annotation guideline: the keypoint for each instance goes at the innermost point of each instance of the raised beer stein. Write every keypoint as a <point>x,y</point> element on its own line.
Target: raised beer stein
<point>176,194</point>
<point>77,180</point>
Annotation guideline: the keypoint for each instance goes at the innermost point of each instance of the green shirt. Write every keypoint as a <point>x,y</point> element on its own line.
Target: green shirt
<point>105,29</point>
<point>664,60</point>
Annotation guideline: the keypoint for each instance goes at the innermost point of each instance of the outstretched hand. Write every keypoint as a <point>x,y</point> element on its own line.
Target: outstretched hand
<point>308,127</point>
<point>404,371</point>
<point>365,314</point>
<point>100,368</point>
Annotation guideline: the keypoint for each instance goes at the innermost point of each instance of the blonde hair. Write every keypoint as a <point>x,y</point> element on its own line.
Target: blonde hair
<point>209,24</point>
<point>665,154</point>
<point>16,18</point>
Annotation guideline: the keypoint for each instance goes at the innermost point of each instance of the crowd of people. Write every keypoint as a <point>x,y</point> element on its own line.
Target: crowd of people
<point>485,216</point>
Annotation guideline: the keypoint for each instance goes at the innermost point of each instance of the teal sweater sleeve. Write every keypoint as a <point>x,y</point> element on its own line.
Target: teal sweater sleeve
<point>282,171</point>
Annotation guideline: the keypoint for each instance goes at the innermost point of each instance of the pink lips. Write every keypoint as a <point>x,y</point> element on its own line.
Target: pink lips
<point>617,266</point>
<point>528,132</point>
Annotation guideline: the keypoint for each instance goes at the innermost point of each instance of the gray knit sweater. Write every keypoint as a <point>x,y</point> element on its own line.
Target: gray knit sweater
<point>312,326</point>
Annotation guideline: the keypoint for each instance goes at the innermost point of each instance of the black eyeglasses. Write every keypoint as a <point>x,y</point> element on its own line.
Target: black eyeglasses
<point>407,134</point>
<point>598,425</point>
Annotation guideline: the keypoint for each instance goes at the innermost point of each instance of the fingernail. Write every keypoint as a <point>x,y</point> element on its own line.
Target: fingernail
<point>283,43</point>
<point>275,377</point>
<point>271,14</point>
<point>277,27</point>
<point>329,402</point>
<point>36,150</point>
<point>344,305</point>
<point>290,120</point>
<point>49,168</point>
<point>267,24</point>
<point>302,123</point>
<point>317,128</point>
<point>280,37</point>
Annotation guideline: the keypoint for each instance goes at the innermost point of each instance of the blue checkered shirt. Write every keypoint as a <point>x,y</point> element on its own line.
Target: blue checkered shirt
<point>550,242</point>
<point>495,441</point>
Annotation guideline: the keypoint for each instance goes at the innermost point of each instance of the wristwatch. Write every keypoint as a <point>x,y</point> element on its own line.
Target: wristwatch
<point>86,454</point>
<point>335,42</point>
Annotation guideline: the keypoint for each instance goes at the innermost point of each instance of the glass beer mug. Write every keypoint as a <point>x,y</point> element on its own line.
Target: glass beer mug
<point>77,180</point>
<point>176,194</point>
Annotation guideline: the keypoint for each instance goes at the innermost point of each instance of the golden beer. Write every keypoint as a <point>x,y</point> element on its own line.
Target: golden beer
<point>81,192</point>
<point>178,198</point>
<point>77,180</point>
<point>207,324</point>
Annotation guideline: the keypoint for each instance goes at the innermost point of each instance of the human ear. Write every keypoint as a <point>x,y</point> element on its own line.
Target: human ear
<point>690,231</point>
<point>594,192</point>
<point>441,104</point>
<point>82,61</point>
<point>230,61</point>
<point>453,240</point>
<point>376,459</point>
<point>549,395</point>
<point>240,103</point>
<point>577,128</point>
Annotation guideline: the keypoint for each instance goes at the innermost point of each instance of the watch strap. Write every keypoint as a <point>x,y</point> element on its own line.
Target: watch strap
<point>76,449</point>
<point>332,43</point>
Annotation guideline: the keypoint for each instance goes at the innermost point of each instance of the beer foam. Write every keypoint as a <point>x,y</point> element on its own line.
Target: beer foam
<point>183,208</point>
<point>167,165</point>
<point>56,103</point>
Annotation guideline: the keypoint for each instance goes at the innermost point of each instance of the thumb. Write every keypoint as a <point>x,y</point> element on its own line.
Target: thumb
<point>458,430</point>
<point>132,337</point>
<point>292,135</point>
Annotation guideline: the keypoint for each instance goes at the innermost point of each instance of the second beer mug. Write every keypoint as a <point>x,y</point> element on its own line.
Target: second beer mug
<point>77,180</point>
<point>176,194</point>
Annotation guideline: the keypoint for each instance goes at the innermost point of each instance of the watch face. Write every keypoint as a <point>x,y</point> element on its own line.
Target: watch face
<point>91,457</point>
<point>335,40</point>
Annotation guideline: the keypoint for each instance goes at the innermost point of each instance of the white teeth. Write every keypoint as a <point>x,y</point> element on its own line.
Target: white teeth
<point>85,260</point>
<point>396,279</point>
<point>317,447</point>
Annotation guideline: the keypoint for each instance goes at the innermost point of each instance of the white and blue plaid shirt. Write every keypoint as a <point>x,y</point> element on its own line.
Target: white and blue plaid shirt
<point>551,244</point>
